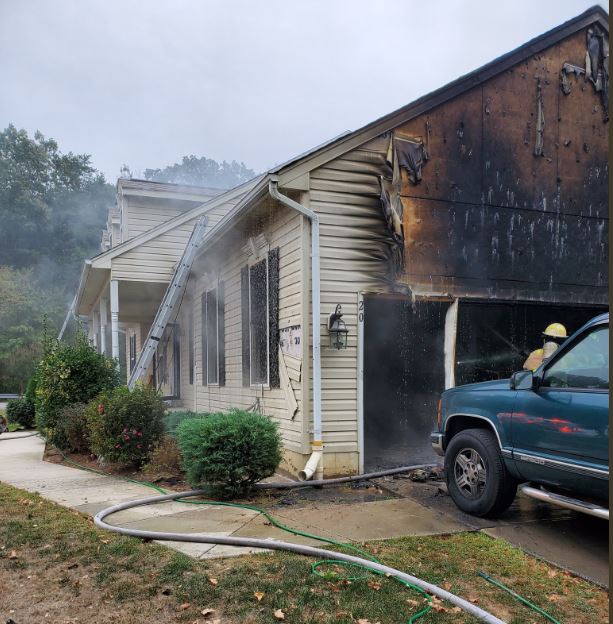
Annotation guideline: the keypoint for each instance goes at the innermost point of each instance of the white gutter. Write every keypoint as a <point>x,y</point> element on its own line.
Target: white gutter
<point>317,443</point>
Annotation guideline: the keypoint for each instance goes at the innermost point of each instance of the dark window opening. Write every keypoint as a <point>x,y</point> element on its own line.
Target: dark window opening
<point>132,349</point>
<point>190,345</point>
<point>258,322</point>
<point>212,334</point>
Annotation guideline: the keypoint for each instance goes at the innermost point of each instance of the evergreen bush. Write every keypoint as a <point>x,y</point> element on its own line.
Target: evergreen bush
<point>175,417</point>
<point>124,426</point>
<point>20,412</point>
<point>69,373</point>
<point>229,452</point>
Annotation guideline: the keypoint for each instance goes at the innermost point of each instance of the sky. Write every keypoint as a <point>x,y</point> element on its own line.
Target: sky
<point>145,82</point>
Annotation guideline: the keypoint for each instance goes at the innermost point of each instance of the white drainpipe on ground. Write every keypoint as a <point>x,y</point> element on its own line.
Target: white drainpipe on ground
<point>314,465</point>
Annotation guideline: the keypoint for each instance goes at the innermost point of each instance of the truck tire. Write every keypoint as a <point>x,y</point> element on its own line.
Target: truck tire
<point>477,479</point>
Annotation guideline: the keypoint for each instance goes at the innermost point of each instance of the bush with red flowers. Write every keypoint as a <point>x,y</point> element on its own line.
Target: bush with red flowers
<point>124,426</point>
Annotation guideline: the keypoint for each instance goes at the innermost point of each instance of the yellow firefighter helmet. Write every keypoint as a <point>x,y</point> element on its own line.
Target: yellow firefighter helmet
<point>555,330</point>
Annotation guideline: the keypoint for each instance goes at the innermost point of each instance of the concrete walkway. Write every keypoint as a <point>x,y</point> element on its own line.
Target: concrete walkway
<point>22,466</point>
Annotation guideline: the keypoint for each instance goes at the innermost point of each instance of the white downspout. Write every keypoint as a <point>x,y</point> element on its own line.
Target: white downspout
<point>314,463</point>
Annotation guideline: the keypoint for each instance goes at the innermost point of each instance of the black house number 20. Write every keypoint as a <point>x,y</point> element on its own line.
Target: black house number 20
<point>361,311</point>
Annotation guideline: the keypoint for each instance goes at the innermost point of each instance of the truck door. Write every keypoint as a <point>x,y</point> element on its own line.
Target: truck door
<point>560,431</point>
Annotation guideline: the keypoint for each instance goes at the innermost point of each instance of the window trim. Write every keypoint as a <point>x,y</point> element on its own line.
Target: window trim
<point>253,262</point>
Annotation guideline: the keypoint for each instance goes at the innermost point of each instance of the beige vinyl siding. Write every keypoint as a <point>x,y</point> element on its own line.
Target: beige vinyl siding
<point>156,259</point>
<point>143,214</point>
<point>282,228</point>
<point>353,240</point>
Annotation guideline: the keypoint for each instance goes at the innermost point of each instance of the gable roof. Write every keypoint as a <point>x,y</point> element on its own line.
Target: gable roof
<point>102,260</point>
<point>351,140</point>
<point>166,190</point>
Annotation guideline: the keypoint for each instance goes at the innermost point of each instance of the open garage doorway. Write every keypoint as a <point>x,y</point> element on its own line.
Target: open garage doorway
<point>404,362</point>
<point>494,339</point>
<point>404,374</point>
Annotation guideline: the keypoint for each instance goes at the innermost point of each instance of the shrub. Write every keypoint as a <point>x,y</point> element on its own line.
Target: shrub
<point>30,393</point>
<point>72,427</point>
<point>165,460</point>
<point>20,412</point>
<point>230,452</point>
<point>124,426</point>
<point>69,373</point>
<point>175,417</point>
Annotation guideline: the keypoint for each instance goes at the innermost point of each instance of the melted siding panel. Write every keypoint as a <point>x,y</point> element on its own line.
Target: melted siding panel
<point>345,193</point>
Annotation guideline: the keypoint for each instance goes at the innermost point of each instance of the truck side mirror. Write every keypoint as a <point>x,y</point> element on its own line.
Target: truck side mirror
<point>523,380</point>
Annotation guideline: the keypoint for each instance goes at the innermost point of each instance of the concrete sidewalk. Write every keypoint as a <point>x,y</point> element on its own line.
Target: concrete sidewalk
<point>22,466</point>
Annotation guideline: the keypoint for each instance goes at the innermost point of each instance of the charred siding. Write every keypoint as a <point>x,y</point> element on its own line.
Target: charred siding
<point>491,218</point>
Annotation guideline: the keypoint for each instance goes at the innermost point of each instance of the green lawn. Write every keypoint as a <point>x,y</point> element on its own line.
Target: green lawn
<point>55,566</point>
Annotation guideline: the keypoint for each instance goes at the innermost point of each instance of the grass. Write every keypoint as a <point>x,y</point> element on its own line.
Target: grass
<point>54,561</point>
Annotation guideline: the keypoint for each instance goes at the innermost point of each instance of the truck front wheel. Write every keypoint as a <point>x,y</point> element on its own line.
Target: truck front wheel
<point>477,479</point>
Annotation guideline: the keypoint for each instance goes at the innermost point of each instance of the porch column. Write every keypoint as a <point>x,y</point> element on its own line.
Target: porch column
<point>95,327</point>
<point>103,324</point>
<point>115,319</point>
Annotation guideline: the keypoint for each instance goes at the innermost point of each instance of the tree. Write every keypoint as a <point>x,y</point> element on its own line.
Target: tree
<point>202,172</point>
<point>24,306</point>
<point>53,207</point>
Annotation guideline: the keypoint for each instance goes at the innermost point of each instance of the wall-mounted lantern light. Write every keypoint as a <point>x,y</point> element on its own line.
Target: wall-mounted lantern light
<point>337,329</point>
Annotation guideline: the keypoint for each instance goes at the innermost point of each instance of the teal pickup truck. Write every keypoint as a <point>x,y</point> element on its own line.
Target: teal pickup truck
<point>546,432</point>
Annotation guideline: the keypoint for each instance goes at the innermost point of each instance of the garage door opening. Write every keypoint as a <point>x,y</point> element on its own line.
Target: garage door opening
<point>494,339</point>
<point>404,363</point>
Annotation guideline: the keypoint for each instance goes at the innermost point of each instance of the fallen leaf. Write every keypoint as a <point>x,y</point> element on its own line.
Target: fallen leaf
<point>439,608</point>
<point>185,605</point>
<point>13,554</point>
<point>554,598</point>
<point>552,573</point>
<point>374,585</point>
<point>413,603</point>
<point>259,596</point>
<point>207,612</point>
<point>279,614</point>
<point>213,581</point>
<point>446,586</point>
<point>456,610</point>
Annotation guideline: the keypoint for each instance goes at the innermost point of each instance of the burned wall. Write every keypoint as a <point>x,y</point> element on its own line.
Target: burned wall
<point>513,201</point>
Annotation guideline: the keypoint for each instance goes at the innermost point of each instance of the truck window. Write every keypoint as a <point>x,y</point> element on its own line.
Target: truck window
<point>585,366</point>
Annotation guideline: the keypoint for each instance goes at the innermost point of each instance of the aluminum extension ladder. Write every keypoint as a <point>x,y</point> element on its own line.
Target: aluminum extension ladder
<point>173,295</point>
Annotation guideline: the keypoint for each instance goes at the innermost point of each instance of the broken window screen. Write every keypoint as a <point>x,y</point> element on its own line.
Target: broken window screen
<point>211,337</point>
<point>258,322</point>
<point>494,339</point>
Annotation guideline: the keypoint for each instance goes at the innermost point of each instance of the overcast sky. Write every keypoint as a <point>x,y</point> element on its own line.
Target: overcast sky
<point>146,82</point>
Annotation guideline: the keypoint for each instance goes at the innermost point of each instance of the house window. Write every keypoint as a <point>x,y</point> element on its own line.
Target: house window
<point>132,351</point>
<point>213,353</point>
<point>258,322</point>
<point>190,345</point>
<point>212,360</point>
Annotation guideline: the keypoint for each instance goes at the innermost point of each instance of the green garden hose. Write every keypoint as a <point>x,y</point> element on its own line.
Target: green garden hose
<point>315,567</point>
<point>515,595</point>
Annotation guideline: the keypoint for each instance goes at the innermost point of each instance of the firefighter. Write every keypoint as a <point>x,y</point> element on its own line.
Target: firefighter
<point>553,336</point>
